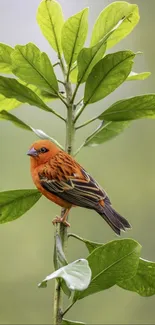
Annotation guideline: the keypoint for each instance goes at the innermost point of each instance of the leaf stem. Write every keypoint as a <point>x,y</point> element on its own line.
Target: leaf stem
<point>56,63</point>
<point>79,102</point>
<point>73,68</point>
<point>102,125</point>
<point>61,82</point>
<point>62,99</point>
<point>68,308</point>
<point>79,112</point>
<point>75,91</point>
<point>57,114</point>
<point>91,136</point>
<point>78,150</point>
<point>86,123</point>
<point>70,234</point>
<point>43,135</point>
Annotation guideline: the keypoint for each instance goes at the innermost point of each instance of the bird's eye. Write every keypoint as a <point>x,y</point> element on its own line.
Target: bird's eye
<point>43,149</point>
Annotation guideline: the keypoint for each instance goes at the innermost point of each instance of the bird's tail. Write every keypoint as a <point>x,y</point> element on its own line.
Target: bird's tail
<point>113,218</point>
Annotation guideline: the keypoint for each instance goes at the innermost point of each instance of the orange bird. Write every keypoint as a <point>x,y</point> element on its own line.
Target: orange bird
<point>62,180</point>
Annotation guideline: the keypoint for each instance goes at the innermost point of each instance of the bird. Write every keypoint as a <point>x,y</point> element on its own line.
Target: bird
<point>61,179</point>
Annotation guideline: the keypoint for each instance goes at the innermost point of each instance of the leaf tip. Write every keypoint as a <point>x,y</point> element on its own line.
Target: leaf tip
<point>42,284</point>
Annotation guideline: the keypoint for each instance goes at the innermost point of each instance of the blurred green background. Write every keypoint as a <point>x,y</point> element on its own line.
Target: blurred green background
<point>124,166</point>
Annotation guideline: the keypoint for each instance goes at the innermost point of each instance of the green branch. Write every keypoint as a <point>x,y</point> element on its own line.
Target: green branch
<point>86,123</point>
<point>61,82</point>
<point>79,102</point>
<point>79,149</point>
<point>68,308</point>
<point>62,99</point>
<point>70,130</point>
<point>79,112</point>
<point>56,63</point>
<point>57,114</point>
<point>75,91</point>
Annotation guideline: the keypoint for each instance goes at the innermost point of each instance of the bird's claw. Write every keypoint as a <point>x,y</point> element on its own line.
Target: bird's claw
<point>60,220</point>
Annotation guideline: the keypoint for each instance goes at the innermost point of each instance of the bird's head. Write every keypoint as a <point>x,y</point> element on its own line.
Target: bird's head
<point>41,151</point>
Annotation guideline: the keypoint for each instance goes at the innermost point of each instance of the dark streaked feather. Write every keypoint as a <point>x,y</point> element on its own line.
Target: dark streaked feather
<point>73,184</point>
<point>78,193</point>
<point>114,219</point>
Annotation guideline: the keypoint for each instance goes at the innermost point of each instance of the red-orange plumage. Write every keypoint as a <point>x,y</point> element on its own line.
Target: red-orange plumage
<point>62,180</point>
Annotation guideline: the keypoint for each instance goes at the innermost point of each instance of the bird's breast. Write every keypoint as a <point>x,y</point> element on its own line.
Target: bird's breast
<point>52,197</point>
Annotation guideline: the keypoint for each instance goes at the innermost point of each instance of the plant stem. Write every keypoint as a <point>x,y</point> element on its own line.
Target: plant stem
<point>79,112</point>
<point>86,123</point>
<point>79,102</point>
<point>68,308</point>
<point>75,91</point>
<point>56,63</point>
<point>57,304</point>
<point>70,130</point>
<point>61,98</point>
<point>101,126</point>
<point>57,114</point>
<point>79,149</point>
<point>60,81</point>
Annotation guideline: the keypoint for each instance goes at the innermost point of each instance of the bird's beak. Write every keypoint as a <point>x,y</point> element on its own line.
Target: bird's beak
<point>32,152</point>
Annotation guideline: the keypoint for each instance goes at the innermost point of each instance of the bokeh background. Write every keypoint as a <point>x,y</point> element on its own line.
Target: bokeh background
<point>125,167</point>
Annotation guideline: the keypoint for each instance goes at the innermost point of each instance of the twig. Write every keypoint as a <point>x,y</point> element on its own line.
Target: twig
<point>61,82</point>
<point>86,123</point>
<point>56,63</point>
<point>78,150</point>
<point>68,308</point>
<point>57,114</point>
<point>79,102</point>
<point>79,112</point>
<point>62,99</point>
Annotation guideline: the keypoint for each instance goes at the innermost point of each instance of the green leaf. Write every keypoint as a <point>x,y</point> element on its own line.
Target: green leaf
<point>138,76</point>
<point>71,322</point>
<point>65,289</point>
<point>89,244</point>
<point>144,280</point>
<point>11,88</point>
<point>107,75</point>
<point>59,256</point>
<point>4,115</point>
<point>131,109</point>
<point>34,67</point>
<point>77,275</point>
<point>7,103</point>
<point>87,59</point>
<point>106,131</point>
<point>50,20</point>
<point>42,135</point>
<point>74,33</point>
<point>5,58</point>
<point>59,260</point>
<point>111,263</point>
<point>74,75</point>
<point>44,95</point>
<point>119,15</point>
<point>10,103</point>
<point>13,204</point>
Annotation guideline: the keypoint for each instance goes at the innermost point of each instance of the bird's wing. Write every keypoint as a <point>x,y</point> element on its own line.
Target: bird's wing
<point>75,186</point>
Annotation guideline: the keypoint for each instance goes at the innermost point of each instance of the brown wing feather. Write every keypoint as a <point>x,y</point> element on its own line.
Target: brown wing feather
<point>64,177</point>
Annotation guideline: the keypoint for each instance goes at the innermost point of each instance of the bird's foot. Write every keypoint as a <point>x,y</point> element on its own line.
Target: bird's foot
<point>60,220</point>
